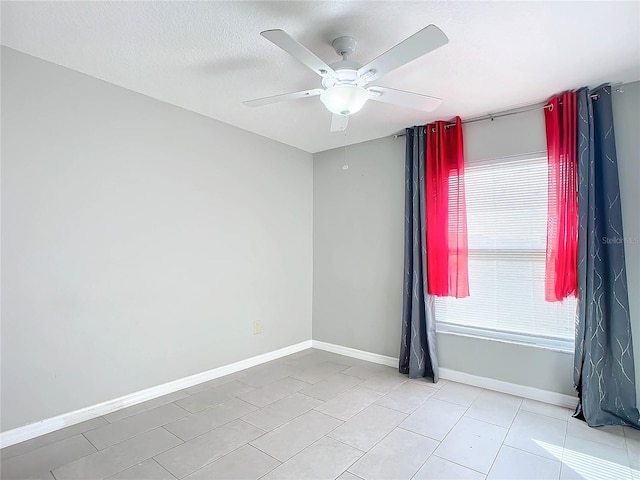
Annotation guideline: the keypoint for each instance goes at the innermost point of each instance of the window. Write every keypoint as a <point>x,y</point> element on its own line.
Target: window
<point>507,227</point>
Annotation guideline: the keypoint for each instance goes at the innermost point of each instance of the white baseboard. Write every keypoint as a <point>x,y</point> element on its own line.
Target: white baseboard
<point>27,432</point>
<point>352,352</point>
<point>516,389</point>
<point>445,373</point>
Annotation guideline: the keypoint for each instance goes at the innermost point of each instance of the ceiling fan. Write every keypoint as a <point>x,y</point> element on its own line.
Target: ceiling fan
<point>344,90</point>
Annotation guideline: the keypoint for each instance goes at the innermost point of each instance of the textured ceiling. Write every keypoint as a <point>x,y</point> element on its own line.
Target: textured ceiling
<point>209,56</point>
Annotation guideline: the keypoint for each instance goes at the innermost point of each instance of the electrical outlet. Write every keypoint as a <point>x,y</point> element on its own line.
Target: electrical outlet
<point>257,327</point>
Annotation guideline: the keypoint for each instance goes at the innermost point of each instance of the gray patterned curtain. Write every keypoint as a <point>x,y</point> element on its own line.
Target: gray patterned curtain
<point>603,363</point>
<point>418,356</point>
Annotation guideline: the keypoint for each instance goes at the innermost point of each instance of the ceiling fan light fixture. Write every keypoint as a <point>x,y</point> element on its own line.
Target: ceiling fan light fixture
<point>344,99</point>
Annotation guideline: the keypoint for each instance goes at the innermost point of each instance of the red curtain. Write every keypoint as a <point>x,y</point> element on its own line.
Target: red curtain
<point>562,221</point>
<point>446,215</point>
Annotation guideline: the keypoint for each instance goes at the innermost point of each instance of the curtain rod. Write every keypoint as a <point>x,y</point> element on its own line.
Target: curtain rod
<point>506,113</point>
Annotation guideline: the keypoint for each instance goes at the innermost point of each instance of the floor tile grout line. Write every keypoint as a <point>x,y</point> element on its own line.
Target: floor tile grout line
<point>400,411</point>
<point>325,435</point>
<point>454,426</point>
<point>343,421</point>
<point>263,406</point>
<point>625,429</point>
<point>357,476</point>
<point>421,434</point>
<point>457,421</point>
<point>182,408</point>
<point>596,442</point>
<point>153,457</point>
<point>161,466</point>
<point>425,461</point>
<point>345,443</point>
<point>52,442</point>
<point>434,454</point>
<point>137,434</point>
<point>376,443</point>
<point>174,435</point>
<point>316,441</point>
<point>209,431</point>
<point>229,398</point>
<point>277,466</point>
<point>139,461</point>
<point>327,401</point>
<point>344,391</point>
<point>489,423</point>
<point>216,385</point>
<point>97,449</point>
<point>566,420</point>
<point>532,453</point>
<point>248,444</point>
<point>258,387</point>
<point>505,436</point>
<point>241,418</point>
<point>564,439</point>
<point>282,424</point>
<point>496,425</point>
<point>383,393</point>
<point>52,469</point>
<point>496,456</point>
<point>409,431</point>
<point>354,462</point>
<point>212,429</point>
<point>268,454</point>
<point>339,419</point>
<point>189,414</point>
<point>543,414</point>
<point>452,403</point>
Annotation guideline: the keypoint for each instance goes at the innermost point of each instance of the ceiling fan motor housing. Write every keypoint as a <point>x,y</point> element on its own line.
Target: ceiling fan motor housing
<point>346,73</point>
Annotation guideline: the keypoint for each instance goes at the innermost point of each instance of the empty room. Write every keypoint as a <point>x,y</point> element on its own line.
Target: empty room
<point>309,240</point>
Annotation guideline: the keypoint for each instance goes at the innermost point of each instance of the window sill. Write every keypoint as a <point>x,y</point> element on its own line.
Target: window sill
<point>555,345</point>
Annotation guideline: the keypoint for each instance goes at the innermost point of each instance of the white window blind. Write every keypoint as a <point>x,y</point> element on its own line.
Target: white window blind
<point>506,222</point>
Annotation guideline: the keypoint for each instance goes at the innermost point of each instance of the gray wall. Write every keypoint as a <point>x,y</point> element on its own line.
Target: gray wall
<point>139,242</point>
<point>626,109</point>
<point>358,247</point>
<point>358,217</point>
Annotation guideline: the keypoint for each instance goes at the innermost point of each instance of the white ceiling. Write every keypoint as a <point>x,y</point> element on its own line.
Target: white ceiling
<point>209,56</point>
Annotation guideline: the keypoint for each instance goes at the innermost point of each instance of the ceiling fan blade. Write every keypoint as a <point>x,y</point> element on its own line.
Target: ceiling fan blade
<point>282,39</point>
<point>417,45</point>
<point>339,122</point>
<point>258,102</point>
<point>415,101</point>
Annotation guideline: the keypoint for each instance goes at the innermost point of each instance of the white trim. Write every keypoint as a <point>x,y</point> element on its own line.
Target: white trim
<point>445,373</point>
<point>27,432</point>
<point>546,343</point>
<point>352,352</point>
<point>516,389</point>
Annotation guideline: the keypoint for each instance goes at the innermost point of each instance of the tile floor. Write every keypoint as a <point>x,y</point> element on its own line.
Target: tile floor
<point>317,415</point>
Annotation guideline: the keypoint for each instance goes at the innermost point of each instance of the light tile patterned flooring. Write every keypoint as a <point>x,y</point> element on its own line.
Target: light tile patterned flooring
<point>317,415</point>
